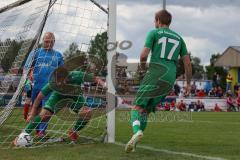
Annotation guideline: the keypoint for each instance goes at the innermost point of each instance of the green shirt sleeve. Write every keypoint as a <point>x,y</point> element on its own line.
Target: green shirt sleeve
<point>150,39</point>
<point>81,76</point>
<point>183,50</point>
<point>46,89</point>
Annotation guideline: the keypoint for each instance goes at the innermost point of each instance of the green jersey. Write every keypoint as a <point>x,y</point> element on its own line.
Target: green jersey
<point>165,44</point>
<point>70,93</point>
<point>73,86</point>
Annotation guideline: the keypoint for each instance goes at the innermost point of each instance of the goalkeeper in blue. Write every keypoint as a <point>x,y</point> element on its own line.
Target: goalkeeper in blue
<point>43,61</point>
<point>166,46</point>
<point>64,86</point>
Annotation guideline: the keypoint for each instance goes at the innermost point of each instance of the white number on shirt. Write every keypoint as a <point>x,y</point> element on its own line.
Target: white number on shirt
<point>164,41</point>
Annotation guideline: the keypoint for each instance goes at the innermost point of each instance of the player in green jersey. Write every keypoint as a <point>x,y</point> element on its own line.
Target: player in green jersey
<point>64,86</point>
<point>166,46</point>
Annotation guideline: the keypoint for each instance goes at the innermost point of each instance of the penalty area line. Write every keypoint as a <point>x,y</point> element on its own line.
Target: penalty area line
<point>173,152</point>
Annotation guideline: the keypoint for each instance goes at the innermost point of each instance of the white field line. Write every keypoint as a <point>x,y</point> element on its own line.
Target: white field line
<point>174,152</point>
<point>211,122</point>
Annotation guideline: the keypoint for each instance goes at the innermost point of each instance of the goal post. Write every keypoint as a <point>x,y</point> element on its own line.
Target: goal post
<point>111,56</point>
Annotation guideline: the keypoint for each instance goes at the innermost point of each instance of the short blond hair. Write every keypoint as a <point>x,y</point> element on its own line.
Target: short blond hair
<point>49,34</point>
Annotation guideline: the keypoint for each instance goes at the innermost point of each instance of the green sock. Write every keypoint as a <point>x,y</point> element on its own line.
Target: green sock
<point>135,120</point>
<point>32,125</point>
<point>80,124</point>
<point>144,117</point>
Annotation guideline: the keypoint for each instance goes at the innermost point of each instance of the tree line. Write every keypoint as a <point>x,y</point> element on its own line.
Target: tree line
<point>10,48</point>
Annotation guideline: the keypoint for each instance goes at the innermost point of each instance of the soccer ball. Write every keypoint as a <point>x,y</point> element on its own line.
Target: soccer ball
<point>24,140</point>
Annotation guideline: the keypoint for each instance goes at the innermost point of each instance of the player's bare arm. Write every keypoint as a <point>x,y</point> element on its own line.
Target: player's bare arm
<point>143,57</point>
<point>188,70</point>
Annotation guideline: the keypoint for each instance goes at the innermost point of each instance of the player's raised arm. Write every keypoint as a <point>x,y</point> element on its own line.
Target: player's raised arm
<point>188,70</point>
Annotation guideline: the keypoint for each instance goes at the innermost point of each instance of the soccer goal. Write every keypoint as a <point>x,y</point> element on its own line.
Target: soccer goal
<point>82,29</point>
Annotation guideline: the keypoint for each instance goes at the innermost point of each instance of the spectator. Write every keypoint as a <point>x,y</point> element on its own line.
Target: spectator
<point>181,94</point>
<point>235,88</point>
<point>238,92</point>
<point>172,106</point>
<point>212,92</point>
<point>177,89</point>
<point>228,82</point>
<point>230,102</point>
<point>185,92</point>
<point>217,108</point>
<point>199,106</point>
<point>201,93</point>
<point>214,79</point>
<point>191,107</point>
<point>193,89</point>
<point>219,92</point>
<point>181,106</point>
<point>167,106</point>
<point>201,86</point>
<point>160,107</point>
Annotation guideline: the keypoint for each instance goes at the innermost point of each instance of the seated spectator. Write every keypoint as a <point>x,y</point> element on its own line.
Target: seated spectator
<point>181,106</point>
<point>212,93</point>
<point>172,106</point>
<point>217,108</point>
<point>191,107</point>
<point>219,92</point>
<point>167,106</point>
<point>215,91</point>
<point>200,86</point>
<point>199,106</point>
<point>177,89</point>
<point>183,92</point>
<point>181,95</point>
<point>193,89</point>
<point>200,93</point>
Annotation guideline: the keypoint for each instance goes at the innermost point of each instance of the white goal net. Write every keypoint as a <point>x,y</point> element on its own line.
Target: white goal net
<point>80,28</point>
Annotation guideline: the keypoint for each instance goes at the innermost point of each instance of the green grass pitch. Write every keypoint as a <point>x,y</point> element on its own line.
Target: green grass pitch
<point>202,135</point>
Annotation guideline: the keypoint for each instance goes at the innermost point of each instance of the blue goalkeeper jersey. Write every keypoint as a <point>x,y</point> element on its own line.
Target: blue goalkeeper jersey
<point>43,63</point>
